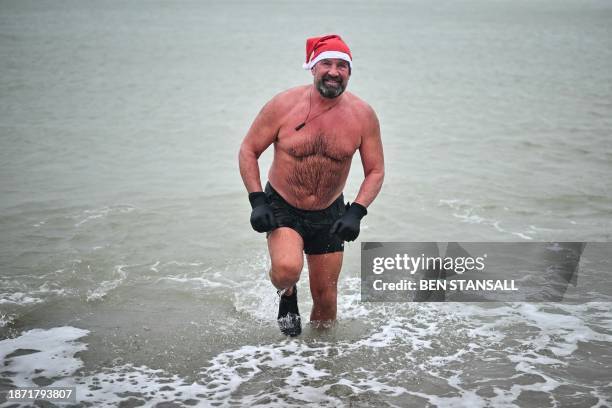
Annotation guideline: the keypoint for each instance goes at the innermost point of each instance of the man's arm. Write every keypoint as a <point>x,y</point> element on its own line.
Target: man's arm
<point>372,159</point>
<point>262,134</point>
<point>347,227</point>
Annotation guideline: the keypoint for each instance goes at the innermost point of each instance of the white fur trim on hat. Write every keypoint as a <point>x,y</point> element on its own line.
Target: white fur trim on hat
<point>329,54</point>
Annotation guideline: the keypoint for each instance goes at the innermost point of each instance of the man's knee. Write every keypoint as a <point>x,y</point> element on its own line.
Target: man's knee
<point>285,272</point>
<point>325,296</point>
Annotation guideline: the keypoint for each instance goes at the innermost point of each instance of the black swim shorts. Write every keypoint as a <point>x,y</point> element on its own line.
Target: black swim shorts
<point>312,225</point>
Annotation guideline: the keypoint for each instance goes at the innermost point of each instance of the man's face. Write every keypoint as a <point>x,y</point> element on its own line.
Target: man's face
<point>331,77</point>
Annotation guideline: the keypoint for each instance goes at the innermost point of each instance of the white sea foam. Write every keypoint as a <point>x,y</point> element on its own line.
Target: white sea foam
<point>256,296</point>
<point>351,306</point>
<point>6,319</point>
<point>50,354</point>
<point>18,298</point>
<point>207,283</point>
<point>304,369</point>
<point>522,235</point>
<point>467,212</point>
<point>106,286</point>
<point>103,212</point>
<point>180,263</point>
<point>417,330</point>
<point>464,399</point>
<point>47,289</point>
<point>560,333</point>
<point>297,361</point>
<point>203,278</point>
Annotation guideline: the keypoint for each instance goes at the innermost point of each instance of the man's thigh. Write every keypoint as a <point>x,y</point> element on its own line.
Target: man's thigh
<point>286,248</point>
<point>324,270</point>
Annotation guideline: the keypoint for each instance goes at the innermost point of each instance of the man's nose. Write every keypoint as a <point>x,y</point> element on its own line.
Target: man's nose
<point>333,71</point>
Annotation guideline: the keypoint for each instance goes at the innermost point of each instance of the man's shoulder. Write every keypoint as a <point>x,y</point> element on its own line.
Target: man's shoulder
<point>282,102</point>
<point>361,107</point>
<point>290,96</point>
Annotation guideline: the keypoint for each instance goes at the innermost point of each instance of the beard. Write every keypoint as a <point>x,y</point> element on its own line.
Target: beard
<point>330,91</point>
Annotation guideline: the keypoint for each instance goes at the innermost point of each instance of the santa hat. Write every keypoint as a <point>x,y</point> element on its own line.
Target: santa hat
<point>328,46</point>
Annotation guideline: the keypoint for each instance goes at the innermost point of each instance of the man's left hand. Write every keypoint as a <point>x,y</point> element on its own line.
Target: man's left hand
<point>347,227</point>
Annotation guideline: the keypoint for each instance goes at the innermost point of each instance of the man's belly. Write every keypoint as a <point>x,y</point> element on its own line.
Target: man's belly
<point>310,183</point>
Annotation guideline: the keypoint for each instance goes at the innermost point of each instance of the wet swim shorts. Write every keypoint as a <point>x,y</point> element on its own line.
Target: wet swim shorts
<point>312,225</point>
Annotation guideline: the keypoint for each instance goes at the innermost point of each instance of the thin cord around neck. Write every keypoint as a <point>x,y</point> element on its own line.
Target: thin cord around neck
<point>301,125</point>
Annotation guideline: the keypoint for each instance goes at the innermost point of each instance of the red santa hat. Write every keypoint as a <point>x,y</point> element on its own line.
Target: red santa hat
<point>328,46</point>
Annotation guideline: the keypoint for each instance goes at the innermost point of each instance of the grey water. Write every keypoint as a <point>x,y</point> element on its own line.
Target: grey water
<point>127,264</point>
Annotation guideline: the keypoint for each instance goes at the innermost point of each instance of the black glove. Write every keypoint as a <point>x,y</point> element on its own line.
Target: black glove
<point>347,227</point>
<point>262,216</point>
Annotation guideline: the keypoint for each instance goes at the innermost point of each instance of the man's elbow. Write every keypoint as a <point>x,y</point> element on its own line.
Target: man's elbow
<point>377,174</point>
<point>241,153</point>
<point>246,153</point>
<point>381,176</point>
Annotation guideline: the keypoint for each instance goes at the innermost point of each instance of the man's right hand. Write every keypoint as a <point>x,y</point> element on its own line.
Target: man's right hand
<point>262,216</point>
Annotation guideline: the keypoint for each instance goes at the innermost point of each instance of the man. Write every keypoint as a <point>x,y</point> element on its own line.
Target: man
<point>315,129</point>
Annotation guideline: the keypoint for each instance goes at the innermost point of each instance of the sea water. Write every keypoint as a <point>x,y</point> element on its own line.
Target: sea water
<point>128,267</point>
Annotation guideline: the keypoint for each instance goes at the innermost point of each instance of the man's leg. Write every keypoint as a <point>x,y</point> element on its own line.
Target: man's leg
<point>324,270</point>
<point>286,253</point>
<point>286,247</point>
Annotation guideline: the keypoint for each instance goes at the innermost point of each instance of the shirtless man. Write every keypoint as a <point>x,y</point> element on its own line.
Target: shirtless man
<point>316,129</point>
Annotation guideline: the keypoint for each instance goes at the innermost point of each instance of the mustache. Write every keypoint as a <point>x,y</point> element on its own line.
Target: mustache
<point>329,78</point>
